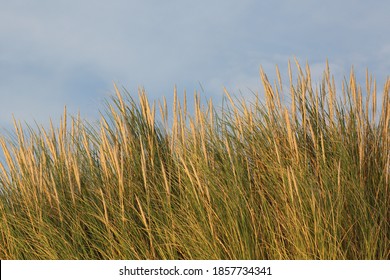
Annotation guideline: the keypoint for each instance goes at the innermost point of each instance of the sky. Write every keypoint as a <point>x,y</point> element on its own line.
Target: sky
<point>57,53</point>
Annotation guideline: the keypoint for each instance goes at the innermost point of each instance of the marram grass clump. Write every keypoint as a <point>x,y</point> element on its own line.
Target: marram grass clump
<point>263,179</point>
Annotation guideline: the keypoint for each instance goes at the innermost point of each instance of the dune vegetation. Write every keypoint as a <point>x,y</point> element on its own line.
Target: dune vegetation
<point>294,173</point>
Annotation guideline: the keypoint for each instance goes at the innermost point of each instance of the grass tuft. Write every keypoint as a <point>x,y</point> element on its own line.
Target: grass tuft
<point>251,180</point>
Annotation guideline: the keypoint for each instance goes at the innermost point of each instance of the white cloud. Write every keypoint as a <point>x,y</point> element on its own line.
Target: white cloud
<point>54,53</point>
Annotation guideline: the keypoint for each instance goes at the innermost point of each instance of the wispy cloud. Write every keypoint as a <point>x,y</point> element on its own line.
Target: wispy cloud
<point>54,53</point>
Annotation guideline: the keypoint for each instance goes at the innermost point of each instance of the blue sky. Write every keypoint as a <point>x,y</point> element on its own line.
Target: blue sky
<point>56,53</point>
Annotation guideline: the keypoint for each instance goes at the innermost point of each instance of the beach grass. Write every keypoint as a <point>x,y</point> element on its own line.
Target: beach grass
<point>294,173</point>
